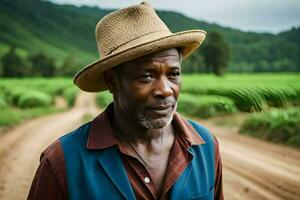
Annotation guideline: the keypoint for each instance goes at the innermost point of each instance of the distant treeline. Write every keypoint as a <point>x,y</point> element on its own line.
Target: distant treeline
<point>59,31</point>
<point>40,64</point>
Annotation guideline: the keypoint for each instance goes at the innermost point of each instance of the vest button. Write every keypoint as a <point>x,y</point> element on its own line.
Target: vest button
<point>147,179</point>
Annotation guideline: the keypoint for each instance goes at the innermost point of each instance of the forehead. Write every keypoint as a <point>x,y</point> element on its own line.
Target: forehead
<point>166,53</point>
<point>167,57</point>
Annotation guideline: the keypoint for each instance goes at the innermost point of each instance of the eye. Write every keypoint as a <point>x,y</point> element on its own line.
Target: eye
<point>174,75</point>
<point>147,77</point>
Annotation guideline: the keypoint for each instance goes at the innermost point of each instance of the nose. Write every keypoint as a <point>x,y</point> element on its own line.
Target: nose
<point>163,88</point>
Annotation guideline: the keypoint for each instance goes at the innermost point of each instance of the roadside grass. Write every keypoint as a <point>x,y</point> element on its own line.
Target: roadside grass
<point>13,116</point>
<point>103,99</point>
<point>69,94</point>
<point>250,92</point>
<point>205,106</point>
<point>21,99</point>
<point>277,125</point>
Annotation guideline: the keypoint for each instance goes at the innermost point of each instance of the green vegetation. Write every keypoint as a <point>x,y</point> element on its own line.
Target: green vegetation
<point>216,53</point>
<point>103,99</point>
<point>70,95</point>
<point>14,65</point>
<point>53,86</point>
<point>13,116</point>
<point>278,125</point>
<point>32,99</point>
<point>205,106</point>
<point>21,99</point>
<point>35,26</point>
<point>3,103</point>
<point>250,93</point>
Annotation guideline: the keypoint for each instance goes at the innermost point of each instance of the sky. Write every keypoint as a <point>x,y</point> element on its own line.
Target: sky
<point>271,16</point>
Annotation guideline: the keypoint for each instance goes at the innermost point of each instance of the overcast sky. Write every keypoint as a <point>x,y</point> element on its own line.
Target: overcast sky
<point>248,15</point>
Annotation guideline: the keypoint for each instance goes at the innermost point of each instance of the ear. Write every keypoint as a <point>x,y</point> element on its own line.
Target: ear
<point>110,80</point>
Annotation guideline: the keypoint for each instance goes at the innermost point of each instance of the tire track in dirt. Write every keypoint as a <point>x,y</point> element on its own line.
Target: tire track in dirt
<point>20,148</point>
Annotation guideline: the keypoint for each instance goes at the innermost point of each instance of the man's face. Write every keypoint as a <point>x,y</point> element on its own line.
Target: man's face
<point>147,89</point>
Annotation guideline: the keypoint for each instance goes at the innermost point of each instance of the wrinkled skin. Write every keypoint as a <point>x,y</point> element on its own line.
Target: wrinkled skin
<point>146,89</point>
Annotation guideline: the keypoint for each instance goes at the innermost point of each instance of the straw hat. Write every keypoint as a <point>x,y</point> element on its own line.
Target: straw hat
<point>130,33</point>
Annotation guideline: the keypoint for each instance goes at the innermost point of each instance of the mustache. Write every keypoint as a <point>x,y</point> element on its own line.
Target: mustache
<point>162,102</point>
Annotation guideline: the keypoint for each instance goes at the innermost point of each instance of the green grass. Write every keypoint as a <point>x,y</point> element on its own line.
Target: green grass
<point>103,99</point>
<point>70,95</point>
<point>51,86</point>
<point>278,126</point>
<point>21,99</point>
<point>205,106</point>
<point>13,116</point>
<point>250,92</point>
<point>33,99</point>
<point>241,79</point>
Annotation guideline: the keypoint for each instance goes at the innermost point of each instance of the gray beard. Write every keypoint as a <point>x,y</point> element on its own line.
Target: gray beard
<point>153,124</point>
<point>143,121</point>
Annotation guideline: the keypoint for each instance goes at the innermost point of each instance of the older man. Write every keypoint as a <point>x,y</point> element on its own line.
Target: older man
<point>139,147</point>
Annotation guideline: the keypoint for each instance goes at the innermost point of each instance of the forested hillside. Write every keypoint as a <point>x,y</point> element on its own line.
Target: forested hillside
<point>62,31</point>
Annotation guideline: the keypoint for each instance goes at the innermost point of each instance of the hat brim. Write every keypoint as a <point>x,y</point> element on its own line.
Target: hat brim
<point>90,78</point>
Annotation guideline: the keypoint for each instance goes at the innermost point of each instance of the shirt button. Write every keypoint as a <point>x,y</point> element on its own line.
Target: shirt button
<point>147,179</point>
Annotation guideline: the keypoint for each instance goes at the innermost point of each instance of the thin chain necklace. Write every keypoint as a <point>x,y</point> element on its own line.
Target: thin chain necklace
<point>135,151</point>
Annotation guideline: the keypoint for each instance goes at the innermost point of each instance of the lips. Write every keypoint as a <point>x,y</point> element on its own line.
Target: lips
<point>161,110</point>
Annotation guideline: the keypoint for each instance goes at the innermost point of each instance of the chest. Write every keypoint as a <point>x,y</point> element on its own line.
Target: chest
<point>102,175</point>
<point>157,168</point>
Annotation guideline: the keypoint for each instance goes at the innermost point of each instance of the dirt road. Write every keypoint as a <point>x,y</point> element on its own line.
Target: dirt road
<point>253,169</point>
<point>21,147</point>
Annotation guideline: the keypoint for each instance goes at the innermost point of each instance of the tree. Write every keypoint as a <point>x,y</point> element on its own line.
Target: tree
<point>68,67</point>
<point>12,64</point>
<point>43,65</point>
<point>216,53</point>
<point>194,63</point>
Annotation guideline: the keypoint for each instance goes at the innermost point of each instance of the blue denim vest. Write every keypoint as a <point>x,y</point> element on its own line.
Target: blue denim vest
<point>100,174</point>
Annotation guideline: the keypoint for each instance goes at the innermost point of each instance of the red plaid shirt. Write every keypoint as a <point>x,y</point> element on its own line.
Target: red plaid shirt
<point>50,179</point>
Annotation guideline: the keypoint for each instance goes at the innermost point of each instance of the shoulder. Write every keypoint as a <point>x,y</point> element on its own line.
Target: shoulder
<point>208,137</point>
<point>203,131</point>
<point>75,139</point>
<point>50,177</point>
<point>54,157</point>
<point>54,154</point>
<point>77,133</point>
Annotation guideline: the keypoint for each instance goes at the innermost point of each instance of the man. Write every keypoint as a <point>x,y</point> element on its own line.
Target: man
<point>139,147</point>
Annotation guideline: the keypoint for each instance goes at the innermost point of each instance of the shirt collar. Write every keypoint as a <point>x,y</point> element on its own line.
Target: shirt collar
<point>101,134</point>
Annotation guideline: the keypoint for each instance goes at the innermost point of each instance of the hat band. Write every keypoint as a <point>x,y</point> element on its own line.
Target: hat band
<point>153,33</point>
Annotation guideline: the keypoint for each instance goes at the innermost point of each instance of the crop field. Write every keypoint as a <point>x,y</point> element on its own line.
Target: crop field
<point>25,98</point>
<point>249,92</point>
